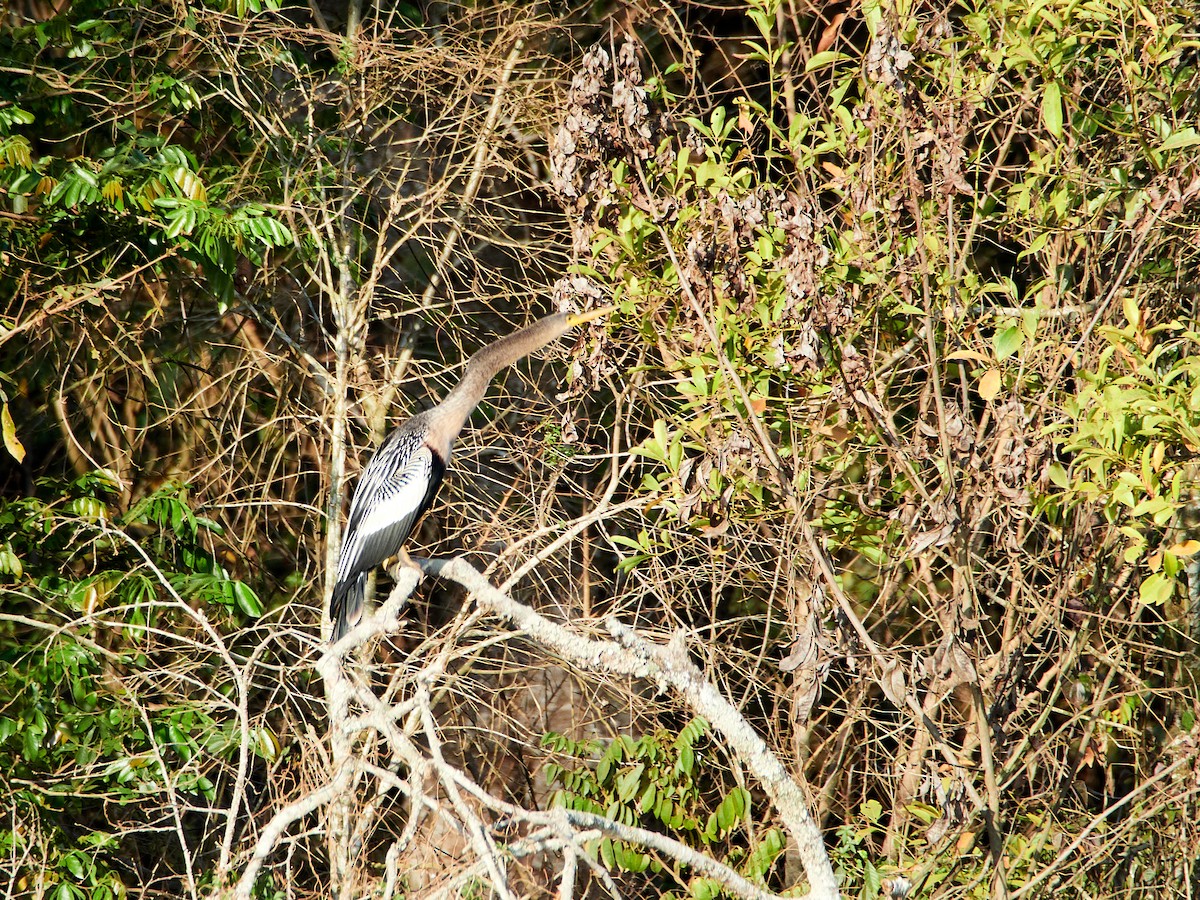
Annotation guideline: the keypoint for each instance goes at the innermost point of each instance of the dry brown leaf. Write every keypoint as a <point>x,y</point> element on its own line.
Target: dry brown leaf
<point>1185,548</point>
<point>967,355</point>
<point>829,35</point>
<point>989,384</point>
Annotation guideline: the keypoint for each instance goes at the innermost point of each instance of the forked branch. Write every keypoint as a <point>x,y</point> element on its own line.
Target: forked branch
<point>629,655</point>
<point>632,655</point>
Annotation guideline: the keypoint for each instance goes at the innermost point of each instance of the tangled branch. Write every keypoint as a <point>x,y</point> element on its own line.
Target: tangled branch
<point>628,654</point>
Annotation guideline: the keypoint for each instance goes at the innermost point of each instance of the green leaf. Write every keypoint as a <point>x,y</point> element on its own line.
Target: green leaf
<point>11,443</point>
<point>1185,137</point>
<point>1157,589</point>
<point>633,860</point>
<point>629,782</point>
<point>607,856</point>
<point>1007,341</point>
<point>762,20</point>
<point>693,731</point>
<point>17,116</point>
<point>266,744</point>
<point>871,878</point>
<point>871,810</point>
<point>687,760</point>
<point>649,798</point>
<point>1036,245</point>
<point>247,601</point>
<point>10,564</point>
<point>765,852</point>
<point>1052,109</point>
<point>75,865</point>
<point>1058,476</point>
<point>732,808</point>
<point>614,754</point>
<point>823,59</point>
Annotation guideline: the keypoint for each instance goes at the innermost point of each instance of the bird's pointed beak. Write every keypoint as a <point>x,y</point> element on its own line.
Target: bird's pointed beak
<point>589,316</point>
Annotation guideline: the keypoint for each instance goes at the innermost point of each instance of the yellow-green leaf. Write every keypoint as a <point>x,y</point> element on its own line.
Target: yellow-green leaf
<point>1058,476</point>
<point>1052,110</point>
<point>189,183</point>
<point>11,443</point>
<point>1157,589</point>
<point>1007,341</point>
<point>10,563</point>
<point>823,59</point>
<point>1186,137</point>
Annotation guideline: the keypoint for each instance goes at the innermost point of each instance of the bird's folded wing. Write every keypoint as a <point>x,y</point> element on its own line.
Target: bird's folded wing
<point>386,506</point>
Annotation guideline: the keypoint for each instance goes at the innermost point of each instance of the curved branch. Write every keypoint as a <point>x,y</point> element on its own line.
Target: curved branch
<point>629,655</point>
<point>633,655</point>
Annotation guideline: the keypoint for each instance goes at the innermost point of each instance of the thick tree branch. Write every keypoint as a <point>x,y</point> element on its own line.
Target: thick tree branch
<point>637,657</point>
<point>629,655</point>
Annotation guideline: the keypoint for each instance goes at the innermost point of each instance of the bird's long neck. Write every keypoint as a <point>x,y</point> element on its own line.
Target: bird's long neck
<point>447,419</point>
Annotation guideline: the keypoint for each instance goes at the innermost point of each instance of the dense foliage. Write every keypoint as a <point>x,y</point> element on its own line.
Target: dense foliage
<point>895,424</point>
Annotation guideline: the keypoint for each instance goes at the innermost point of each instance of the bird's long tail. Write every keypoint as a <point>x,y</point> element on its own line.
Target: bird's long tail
<point>346,606</point>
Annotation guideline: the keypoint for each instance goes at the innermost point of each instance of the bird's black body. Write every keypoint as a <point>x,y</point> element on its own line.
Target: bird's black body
<point>403,477</point>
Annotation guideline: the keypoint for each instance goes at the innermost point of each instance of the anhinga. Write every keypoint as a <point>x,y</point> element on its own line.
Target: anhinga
<point>401,480</point>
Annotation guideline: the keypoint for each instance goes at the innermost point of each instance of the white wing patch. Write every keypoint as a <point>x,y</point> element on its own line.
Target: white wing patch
<point>401,498</point>
<point>392,501</point>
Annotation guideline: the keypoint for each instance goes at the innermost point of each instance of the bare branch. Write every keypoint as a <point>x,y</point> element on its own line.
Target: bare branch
<point>634,656</point>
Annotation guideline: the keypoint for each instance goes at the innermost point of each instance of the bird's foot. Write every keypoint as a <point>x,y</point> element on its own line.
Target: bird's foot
<point>403,561</point>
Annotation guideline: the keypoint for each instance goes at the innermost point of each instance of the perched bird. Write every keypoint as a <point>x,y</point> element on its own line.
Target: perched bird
<point>401,480</point>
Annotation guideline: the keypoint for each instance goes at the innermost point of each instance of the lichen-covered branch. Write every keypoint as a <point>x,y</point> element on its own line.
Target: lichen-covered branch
<point>471,805</point>
<point>632,655</point>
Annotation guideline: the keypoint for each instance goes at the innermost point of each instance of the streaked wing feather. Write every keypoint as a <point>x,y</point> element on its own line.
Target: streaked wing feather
<point>394,454</point>
<point>398,485</point>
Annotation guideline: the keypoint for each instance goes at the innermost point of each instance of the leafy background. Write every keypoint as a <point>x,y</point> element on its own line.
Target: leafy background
<point>897,419</point>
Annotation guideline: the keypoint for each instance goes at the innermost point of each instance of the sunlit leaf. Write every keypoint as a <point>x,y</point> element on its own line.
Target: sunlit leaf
<point>824,58</point>
<point>11,443</point>
<point>1052,109</point>
<point>1185,548</point>
<point>1185,137</point>
<point>1157,589</point>
<point>1007,341</point>
<point>989,384</point>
